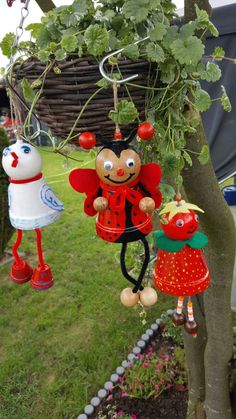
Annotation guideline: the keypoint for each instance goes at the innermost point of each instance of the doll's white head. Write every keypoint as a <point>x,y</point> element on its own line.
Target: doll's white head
<point>21,161</point>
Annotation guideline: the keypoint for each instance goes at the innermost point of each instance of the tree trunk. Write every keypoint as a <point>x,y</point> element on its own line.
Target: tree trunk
<point>46,5</point>
<point>211,356</point>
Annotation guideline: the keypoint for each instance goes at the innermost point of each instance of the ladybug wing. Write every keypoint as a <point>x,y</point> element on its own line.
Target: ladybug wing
<point>86,181</point>
<point>150,177</point>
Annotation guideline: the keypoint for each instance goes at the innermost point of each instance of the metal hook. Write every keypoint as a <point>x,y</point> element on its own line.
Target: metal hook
<point>101,65</point>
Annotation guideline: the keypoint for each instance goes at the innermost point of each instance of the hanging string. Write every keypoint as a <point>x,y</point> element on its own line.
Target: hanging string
<point>116,101</point>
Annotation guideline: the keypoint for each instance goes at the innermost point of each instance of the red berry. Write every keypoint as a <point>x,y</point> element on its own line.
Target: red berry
<point>87,140</point>
<point>117,135</point>
<point>146,131</point>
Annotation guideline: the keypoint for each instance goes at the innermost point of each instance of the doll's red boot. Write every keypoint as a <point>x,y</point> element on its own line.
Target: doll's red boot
<point>21,272</point>
<point>42,278</point>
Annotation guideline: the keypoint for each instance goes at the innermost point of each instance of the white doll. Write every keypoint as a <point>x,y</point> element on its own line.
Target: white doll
<point>32,205</point>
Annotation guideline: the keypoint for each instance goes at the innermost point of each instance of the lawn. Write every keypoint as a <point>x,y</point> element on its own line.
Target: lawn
<point>58,347</point>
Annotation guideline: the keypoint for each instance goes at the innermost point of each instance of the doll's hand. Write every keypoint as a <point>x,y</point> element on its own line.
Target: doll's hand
<point>147,204</point>
<point>100,204</point>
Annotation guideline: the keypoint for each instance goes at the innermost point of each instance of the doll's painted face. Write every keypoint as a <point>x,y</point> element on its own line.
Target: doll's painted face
<point>117,169</point>
<point>182,226</point>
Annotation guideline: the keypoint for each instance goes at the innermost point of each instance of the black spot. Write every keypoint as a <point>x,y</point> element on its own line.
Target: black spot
<point>88,205</point>
<point>135,214</point>
<point>140,222</point>
<point>117,213</point>
<point>108,222</point>
<point>118,225</point>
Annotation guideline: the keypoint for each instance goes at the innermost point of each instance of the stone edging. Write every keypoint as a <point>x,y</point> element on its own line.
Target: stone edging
<point>114,378</point>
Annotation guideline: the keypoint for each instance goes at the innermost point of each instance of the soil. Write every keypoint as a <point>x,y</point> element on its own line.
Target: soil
<point>171,404</point>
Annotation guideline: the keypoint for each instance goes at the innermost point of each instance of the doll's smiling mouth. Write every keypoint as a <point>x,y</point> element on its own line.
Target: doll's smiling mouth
<point>190,231</point>
<point>119,182</point>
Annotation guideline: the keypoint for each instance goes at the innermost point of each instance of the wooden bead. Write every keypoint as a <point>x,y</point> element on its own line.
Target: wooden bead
<point>148,296</point>
<point>147,204</point>
<point>191,327</point>
<point>178,318</point>
<point>100,204</point>
<point>128,297</point>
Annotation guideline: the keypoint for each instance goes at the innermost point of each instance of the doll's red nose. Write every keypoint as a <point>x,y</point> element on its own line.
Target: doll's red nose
<point>120,172</point>
<point>15,159</point>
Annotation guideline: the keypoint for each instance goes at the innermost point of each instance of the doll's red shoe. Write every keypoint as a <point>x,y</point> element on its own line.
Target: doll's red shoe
<point>42,278</point>
<point>21,272</point>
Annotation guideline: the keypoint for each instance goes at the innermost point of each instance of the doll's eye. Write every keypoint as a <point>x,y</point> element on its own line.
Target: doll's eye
<point>180,223</point>
<point>130,163</point>
<point>108,165</point>
<point>26,149</point>
<point>196,217</point>
<point>6,151</point>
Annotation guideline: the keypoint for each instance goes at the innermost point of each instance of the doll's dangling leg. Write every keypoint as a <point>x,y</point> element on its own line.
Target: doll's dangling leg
<point>42,277</point>
<point>123,266</point>
<point>138,286</point>
<point>178,317</point>
<point>191,325</point>
<point>21,272</point>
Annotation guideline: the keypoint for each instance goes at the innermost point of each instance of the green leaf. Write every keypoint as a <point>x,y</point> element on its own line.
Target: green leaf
<point>136,10</point>
<point>125,114</point>
<point>80,7</point>
<point>170,163</point>
<point>56,70</point>
<point>171,36</point>
<point>214,31</point>
<point>43,55</point>
<point>43,37</point>
<point>36,83</point>
<point>202,20</point>
<point>168,192</point>
<point>6,44</point>
<point>60,54</point>
<point>210,73</point>
<point>96,39</point>
<point>34,28</point>
<point>167,72</point>
<point>202,100</point>
<point>69,43</point>
<point>131,51</point>
<point>188,51</point>
<point>204,155</point>
<point>225,101</point>
<point>155,52</point>
<point>218,53</point>
<point>28,92</point>
<point>68,19</point>
<point>158,32</point>
<point>187,30</point>
<point>187,158</point>
<point>103,83</point>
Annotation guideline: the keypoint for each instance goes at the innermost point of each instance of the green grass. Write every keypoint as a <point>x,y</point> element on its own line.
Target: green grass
<point>59,346</point>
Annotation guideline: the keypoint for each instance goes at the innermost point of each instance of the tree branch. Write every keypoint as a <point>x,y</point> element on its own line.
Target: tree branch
<point>46,5</point>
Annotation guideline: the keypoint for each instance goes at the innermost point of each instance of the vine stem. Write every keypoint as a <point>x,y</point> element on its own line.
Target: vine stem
<point>63,143</point>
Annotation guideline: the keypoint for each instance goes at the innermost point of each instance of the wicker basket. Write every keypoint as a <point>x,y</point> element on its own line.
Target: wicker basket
<point>65,94</point>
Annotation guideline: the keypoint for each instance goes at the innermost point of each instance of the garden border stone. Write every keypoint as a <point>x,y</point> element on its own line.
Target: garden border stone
<point>108,386</point>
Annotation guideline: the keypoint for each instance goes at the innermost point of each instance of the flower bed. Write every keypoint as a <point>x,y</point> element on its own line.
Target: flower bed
<point>153,384</point>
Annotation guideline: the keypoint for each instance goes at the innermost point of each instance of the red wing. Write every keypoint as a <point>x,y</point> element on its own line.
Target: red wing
<point>86,181</point>
<point>150,177</point>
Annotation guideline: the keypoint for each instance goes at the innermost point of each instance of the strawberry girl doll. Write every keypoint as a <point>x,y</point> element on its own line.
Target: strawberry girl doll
<point>181,268</point>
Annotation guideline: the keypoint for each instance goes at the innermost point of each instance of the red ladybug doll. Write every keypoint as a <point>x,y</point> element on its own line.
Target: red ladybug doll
<point>123,193</point>
<point>181,268</point>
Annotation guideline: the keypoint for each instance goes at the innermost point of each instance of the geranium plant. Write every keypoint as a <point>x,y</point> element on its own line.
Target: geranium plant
<point>175,52</point>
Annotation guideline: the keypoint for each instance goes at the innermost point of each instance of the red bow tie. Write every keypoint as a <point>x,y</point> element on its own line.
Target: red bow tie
<point>121,194</point>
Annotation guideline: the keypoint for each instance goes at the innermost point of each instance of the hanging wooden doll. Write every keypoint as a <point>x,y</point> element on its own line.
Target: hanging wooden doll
<point>181,269</point>
<point>123,193</point>
<point>32,205</point>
